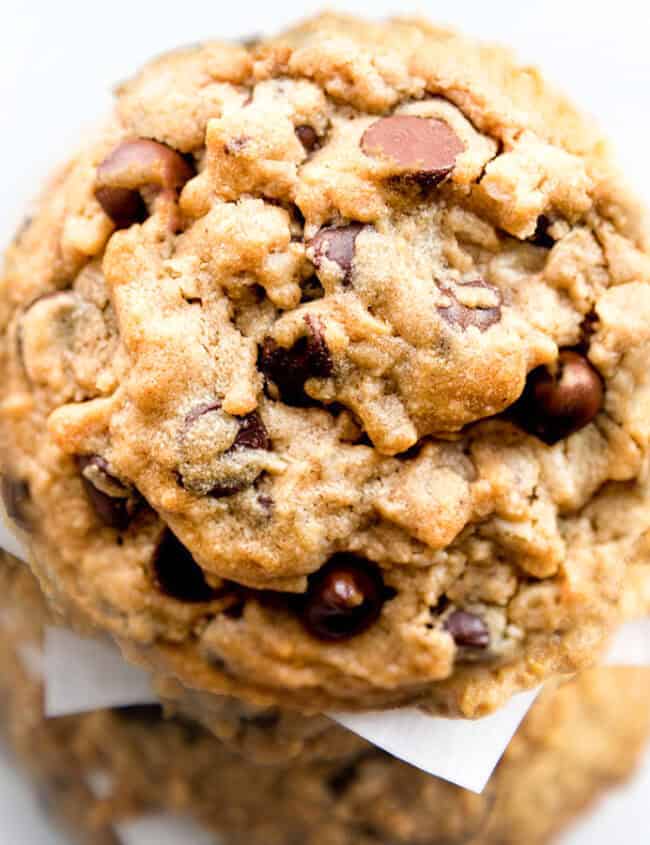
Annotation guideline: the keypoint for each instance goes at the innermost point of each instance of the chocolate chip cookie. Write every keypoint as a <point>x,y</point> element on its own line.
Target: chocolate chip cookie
<point>326,373</point>
<point>97,771</point>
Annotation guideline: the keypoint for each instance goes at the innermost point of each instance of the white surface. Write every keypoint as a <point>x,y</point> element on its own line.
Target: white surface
<point>58,60</point>
<point>84,674</point>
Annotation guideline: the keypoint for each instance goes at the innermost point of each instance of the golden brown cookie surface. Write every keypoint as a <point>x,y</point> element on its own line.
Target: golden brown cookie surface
<point>327,374</point>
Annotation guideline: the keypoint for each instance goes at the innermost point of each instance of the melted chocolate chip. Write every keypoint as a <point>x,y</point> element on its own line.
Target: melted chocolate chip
<point>557,404</point>
<point>426,147</point>
<point>457,314</point>
<point>542,237</point>
<point>308,137</point>
<point>15,496</point>
<point>468,629</point>
<point>343,599</point>
<point>252,433</point>
<point>337,245</point>
<point>113,503</point>
<point>289,369</point>
<point>178,574</point>
<point>131,166</point>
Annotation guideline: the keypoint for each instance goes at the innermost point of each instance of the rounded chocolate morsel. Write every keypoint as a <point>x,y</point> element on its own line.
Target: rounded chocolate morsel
<point>458,314</point>
<point>290,368</point>
<point>113,503</point>
<point>15,496</point>
<point>343,599</point>
<point>424,146</point>
<point>308,137</point>
<point>468,629</point>
<point>131,166</point>
<point>558,403</point>
<point>123,206</point>
<point>337,245</point>
<point>178,574</point>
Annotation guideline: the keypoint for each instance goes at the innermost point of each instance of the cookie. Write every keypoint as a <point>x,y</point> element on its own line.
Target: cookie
<point>326,373</point>
<point>98,770</point>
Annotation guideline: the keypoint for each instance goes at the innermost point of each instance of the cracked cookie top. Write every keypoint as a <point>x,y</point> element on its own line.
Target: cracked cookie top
<point>326,372</point>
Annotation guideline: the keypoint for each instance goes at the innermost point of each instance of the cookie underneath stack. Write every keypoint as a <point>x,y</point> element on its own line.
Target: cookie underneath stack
<point>99,769</point>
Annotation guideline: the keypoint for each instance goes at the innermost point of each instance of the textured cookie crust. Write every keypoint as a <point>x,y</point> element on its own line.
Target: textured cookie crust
<point>96,770</point>
<point>361,314</point>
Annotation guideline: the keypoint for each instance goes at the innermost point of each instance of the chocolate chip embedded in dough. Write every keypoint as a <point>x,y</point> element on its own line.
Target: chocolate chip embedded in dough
<point>113,502</point>
<point>424,147</point>
<point>178,574</point>
<point>16,498</point>
<point>468,629</point>
<point>123,206</point>
<point>217,442</point>
<point>289,369</point>
<point>542,237</point>
<point>308,137</point>
<point>343,599</point>
<point>337,244</point>
<point>462,315</point>
<point>252,433</point>
<point>556,403</point>
<point>133,165</point>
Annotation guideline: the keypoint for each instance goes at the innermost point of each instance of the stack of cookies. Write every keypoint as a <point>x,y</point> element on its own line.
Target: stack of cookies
<point>327,387</point>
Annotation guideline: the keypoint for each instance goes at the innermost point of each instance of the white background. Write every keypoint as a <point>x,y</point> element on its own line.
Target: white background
<point>59,59</point>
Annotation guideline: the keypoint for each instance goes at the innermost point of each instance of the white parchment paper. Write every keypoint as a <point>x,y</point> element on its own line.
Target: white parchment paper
<point>83,674</point>
<point>8,539</point>
<point>164,829</point>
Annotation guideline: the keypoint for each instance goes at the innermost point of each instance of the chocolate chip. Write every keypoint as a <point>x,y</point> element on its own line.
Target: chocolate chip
<point>541,236</point>
<point>558,403</point>
<point>133,165</point>
<point>458,314</point>
<point>252,433</point>
<point>113,502</point>
<point>289,369</point>
<point>15,496</point>
<point>468,629</point>
<point>124,207</point>
<point>178,574</point>
<point>308,137</point>
<point>337,245</point>
<point>426,147</point>
<point>343,599</point>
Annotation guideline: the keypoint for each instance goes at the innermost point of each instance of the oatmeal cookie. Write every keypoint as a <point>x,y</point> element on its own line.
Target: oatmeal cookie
<point>326,373</point>
<point>97,771</point>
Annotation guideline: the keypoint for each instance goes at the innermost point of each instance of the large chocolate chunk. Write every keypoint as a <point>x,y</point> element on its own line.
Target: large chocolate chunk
<point>426,148</point>
<point>290,368</point>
